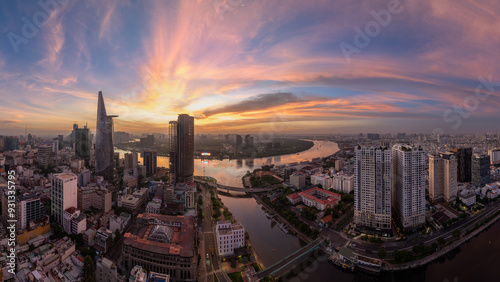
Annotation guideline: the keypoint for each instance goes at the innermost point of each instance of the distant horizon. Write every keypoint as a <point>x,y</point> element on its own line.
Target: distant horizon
<point>264,134</point>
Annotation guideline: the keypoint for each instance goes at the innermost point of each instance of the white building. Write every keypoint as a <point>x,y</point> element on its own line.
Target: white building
<point>230,236</point>
<point>298,180</point>
<point>343,183</point>
<point>494,156</point>
<point>319,198</point>
<point>106,270</point>
<point>493,193</point>
<point>468,198</point>
<point>63,194</point>
<point>372,188</point>
<point>408,185</point>
<point>153,207</point>
<point>138,274</point>
<point>119,222</point>
<point>74,222</point>
<point>324,179</point>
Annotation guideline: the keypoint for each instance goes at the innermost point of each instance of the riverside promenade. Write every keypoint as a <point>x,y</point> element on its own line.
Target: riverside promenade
<point>438,254</point>
<point>290,227</point>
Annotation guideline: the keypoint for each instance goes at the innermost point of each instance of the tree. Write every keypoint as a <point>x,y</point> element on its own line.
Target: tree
<point>117,235</point>
<point>441,241</point>
<point>434,246</point>
<point>328,211</point>
<point>88,269</point>
<point>402,256</point>
<point>382,253</point>
<point>456,234</point>
<point>419,249</point>
<point>109,243</point>
<point>233,263</point>
<point>347,198</point>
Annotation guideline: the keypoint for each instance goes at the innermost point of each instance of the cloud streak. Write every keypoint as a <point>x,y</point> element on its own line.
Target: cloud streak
<point>156,59</point>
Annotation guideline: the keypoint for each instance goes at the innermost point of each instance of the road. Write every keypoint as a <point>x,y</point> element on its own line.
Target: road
<point>361,247</point>
<point>212,265</point>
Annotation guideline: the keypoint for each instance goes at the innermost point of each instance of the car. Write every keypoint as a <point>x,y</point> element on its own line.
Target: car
<point>207,256</point>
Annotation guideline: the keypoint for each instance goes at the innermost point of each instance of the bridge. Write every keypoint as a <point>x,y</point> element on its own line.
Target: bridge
<point>237,189</point>
<point>287,264</point>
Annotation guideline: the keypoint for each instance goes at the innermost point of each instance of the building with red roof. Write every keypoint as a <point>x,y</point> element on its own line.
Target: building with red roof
<point>319,198</point>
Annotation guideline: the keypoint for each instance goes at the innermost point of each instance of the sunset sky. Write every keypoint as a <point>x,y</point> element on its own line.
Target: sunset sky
<point>248,66</point>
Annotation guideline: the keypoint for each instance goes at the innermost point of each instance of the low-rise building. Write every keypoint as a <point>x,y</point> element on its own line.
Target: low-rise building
<point>92,196</point>
<point>190,196</point>
<point>162,244</point>
<point>134,201</point>
<point>101,238</point>
<point>294,198</point>
<point>230,236</point>
<point>298,180</point>
<point>469,198</point>
<point>153,207</point>
<point>319,198</point>
<point>158,277</point>
<point>138,274</point>
<point>88,237</point>
<point>343,183</point>
<point>106,270</point>
<point>324,179</point>
<point>119,222</point>
<point>74,222</point>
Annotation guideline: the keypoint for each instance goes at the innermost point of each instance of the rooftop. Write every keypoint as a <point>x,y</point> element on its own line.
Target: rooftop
<point>65,175</point>
<point>182,240</point>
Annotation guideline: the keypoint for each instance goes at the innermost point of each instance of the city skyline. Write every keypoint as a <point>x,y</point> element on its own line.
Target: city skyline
<point>273,66</point>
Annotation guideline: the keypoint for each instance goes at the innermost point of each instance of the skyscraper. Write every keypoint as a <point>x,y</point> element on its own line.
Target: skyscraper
<point>11,143</point>
<point>480,170</point>
<point>464,161</point>
<point>372,188</point>
<point>450,177</point>
<point>82,143</point>
<point>104,152</point>
<point>442,177</point>
<point>248,141</point>
<point>61,141</point>
<point>408,185</point>
<point>239,143</point>
<point>63,194</point>
<point>182,149</point>
<point>149,158</point>
<point>44,156</point>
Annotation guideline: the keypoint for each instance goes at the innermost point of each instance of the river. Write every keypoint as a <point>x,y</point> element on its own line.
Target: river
<point>473,261</point>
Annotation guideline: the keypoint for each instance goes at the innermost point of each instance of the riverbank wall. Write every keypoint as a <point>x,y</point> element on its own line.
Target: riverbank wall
<point>440,253</point>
